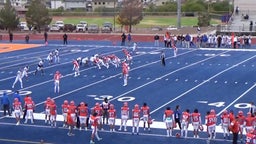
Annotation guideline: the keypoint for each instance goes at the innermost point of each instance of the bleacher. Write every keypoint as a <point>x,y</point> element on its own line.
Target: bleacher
<point>243,20</point>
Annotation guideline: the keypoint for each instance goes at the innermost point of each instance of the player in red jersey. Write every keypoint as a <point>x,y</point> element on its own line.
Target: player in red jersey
<point>249,122</point>
<point>70,123</point>
<point>145,116</point>
<point>112,117</point>
<point>17,110</point>
<point>64,109</point>
<point>73,111</point>
<point>124,116</point>
<point>76,68</point>
<point>211,121</point>
<point>94,121</point>
<point>47,104</point>
<point>57,77</point>
<point>30,106</point>
<point>225,123</point>
<point>251,137</point>
<point>196,122</point>
<point>53,113</point>
<point>185,122</point>
<point>168,118</point>
<point>83,115</point>
<point>98,109</point>
<point>241,120</point>
<point>125,71</point>
<point>135,118</point>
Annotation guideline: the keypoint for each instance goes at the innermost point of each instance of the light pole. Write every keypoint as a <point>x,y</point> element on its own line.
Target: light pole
<point>114,16</point>
<point>178,14</point>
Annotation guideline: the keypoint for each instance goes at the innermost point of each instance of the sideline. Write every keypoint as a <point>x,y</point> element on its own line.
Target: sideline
<point>22,141</point>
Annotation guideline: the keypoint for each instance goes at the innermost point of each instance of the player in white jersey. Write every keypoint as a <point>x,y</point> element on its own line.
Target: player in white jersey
<point>76,68</point>
<point>135,47</point>
<point>50,58</point>
<point>56,56</point>
<point>18,78</point>
<point>25,72</point>
<point>40,67</point>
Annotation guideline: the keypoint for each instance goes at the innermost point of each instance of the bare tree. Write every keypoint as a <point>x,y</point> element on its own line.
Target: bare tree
<point>130,13</point>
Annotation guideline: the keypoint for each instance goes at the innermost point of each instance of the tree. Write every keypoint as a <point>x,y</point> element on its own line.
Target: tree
<point>8,17</point>
<point>203,19</point>
<point>38,15</point>
<point>130,13</point>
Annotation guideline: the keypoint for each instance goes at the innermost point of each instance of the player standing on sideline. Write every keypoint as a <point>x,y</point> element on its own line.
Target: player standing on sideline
<point>57,56</point>
<point>70,123</point>
<point>241,120</point>
<point>47,105</point>
<point>135,118</point>
<point>98,109</point>
<point>251,137</point>
<point>211,121</point>
<point>57,77</point>
<point>64,108</point>
<point>53,113</point>
<point>196,122</point>
<point>249,122</point>
<point>73,111</point>
<point>40,67</point>
<point>76,68</point>
<point>30,106</point>
<point>125,71</point>
<point>175,49</point>
<point>18,78</point>
<point>225,123</point>
<point>124,116</point>
<point>112,118</point>
<point>185,122</point>
<point>94,121</point>
<point>168,118</point>
<point>25,72</point>
<point>105,106</point>
<point>162,57</point>
<point>145,116</point>
<point>83,115</point>
<point>17,110</point>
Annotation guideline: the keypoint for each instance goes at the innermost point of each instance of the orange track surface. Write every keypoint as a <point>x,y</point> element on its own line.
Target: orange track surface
<point>14,47</point>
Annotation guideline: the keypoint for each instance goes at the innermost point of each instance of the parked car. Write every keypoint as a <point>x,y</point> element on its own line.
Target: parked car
<point>69,28</point>
<point>85,24</point>
<point>157,28</point>
<point>93,28</point>
<point>54,27</point>
<point>107,27</point>
<point>23,26</point>
<point>60,24</point>
<point>80,28</point>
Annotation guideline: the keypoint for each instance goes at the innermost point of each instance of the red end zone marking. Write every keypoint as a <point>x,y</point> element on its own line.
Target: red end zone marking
<point>13,47</point>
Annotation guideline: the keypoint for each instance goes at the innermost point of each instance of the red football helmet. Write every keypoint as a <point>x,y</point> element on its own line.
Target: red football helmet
<point>177,135</point>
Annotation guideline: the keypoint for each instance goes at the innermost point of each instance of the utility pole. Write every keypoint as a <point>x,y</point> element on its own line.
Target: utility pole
<point>114,16</point>
<point>178,14</point>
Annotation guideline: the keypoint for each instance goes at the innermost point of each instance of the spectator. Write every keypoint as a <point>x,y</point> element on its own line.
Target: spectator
<point>45,37</point>
<point>129,37</point>
<point>156,39</point>
<point>27,38</point>
<point>6,104</point>
<point>11,37</point>
<point>123,37</point>
<point>187,39</point>
<point>65,39</point>
<point>237,10</point>
<point>251,25</point>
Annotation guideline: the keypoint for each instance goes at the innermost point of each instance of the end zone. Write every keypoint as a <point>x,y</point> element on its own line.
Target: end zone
<point>6,47</point>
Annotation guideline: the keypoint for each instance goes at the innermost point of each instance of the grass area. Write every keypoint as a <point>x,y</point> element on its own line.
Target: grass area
<point>147,21</point>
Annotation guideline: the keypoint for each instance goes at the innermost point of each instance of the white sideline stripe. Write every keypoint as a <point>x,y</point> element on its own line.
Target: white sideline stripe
<point>155,124</point>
